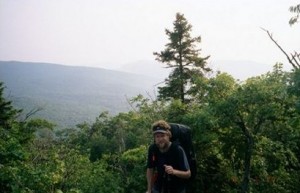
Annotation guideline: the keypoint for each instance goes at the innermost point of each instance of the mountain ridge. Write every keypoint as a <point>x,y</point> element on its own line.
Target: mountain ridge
<point>70,95</point>
<point>81,93</point>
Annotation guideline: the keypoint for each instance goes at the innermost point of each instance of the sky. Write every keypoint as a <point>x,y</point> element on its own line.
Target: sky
<point>111,33</point>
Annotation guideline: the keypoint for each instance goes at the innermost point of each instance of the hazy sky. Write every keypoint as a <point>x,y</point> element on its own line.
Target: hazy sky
<point>115,32</point>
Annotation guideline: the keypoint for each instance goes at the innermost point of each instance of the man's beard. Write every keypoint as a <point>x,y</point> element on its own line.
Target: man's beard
<point>163,146</point>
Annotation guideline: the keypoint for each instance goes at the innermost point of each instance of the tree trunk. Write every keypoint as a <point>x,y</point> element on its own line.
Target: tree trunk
<point>181,79</point>
<point>248,156</point>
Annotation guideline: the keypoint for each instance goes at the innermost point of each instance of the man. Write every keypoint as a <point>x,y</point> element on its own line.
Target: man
<point>167,165</point>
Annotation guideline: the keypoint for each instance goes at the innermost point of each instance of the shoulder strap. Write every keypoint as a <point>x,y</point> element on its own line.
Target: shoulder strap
<point>153,150</point>
<point>174,152</point>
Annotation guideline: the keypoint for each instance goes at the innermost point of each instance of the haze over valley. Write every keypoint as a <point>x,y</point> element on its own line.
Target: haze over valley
<point>70,95</point>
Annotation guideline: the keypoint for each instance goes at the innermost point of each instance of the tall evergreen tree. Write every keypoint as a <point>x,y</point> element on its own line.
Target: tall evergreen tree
<point>181,54</point>
<point>11,151</point>
<point>7,112</point>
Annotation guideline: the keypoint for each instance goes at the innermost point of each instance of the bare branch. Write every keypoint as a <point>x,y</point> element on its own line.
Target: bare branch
<point>293,61</point>
<point>130,104</point>
<point>32,112</point>
<point>296,58</point>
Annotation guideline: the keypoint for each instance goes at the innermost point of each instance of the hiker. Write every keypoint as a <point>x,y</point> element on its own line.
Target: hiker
<point>167,165</point>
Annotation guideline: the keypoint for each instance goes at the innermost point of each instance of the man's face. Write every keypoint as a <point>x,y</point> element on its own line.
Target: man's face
<point>162,140</point>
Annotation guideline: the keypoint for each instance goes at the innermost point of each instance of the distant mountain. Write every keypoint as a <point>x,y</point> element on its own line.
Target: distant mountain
<point>70,95</point>
<point>238,69</point>
<point>241,69</point>
<point>148,68</point>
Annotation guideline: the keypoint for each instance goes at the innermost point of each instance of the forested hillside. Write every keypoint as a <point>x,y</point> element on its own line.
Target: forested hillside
<point>246,135</point>
<point>234,125</point>
<point>70,95</point>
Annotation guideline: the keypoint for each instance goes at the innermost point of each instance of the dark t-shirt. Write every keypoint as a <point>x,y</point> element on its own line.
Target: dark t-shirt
<point>175,157</point>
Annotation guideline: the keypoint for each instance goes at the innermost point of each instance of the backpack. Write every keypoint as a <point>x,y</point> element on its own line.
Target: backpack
<point>182,135</point>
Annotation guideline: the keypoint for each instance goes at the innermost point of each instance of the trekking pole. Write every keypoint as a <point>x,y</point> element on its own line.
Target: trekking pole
<point>168,183</point>
<point>165,185</point>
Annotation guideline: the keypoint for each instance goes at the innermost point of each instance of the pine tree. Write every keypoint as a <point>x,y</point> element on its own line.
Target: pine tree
<point>181,54</point>
<point>7,112</point>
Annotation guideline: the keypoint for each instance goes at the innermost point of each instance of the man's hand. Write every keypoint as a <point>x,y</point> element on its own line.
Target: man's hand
<point>169,169</point>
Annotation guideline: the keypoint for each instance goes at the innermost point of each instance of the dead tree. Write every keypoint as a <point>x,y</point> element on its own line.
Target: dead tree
<point>293,58</point>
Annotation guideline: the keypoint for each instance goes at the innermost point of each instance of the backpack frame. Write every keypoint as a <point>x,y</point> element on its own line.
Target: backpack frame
<point>182,135</point>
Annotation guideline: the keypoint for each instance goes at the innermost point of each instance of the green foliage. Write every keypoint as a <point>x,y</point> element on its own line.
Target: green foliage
<point>176,111</point>
<point>228,116</point>
<point>133,169</point>
<point>85,176</point>
<point>13,138</point>
<point>125,130</point>
<point>246,136</point>
<point>294,9</point>
<point>7,112</point>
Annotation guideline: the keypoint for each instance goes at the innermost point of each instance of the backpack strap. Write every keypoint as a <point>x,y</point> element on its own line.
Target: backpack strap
<point>172,153</point>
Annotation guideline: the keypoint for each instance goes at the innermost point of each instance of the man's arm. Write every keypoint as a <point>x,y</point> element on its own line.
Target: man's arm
<point>178,173</point>
<point>149,176</point>
<point>184,171</point>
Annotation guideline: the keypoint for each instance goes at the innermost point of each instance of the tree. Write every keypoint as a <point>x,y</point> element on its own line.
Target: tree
<point>293,58</point>
<point>132,163</point>
<point>256,109</point>
<point>181,54</point>
<point>7,112</point>
<point>125,130</point>
<point>294,9</point>
<point>246,134</point>
<point>11,150</point>
<point>214,174</point>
